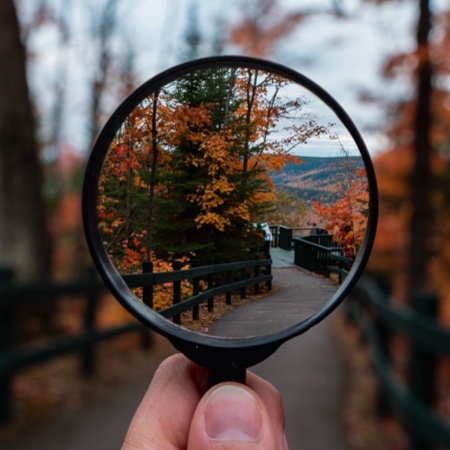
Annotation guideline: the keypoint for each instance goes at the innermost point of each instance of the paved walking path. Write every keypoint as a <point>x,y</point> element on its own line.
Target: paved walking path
<point>310,374</point>
<point>281,258</point>
<point>296,295</point>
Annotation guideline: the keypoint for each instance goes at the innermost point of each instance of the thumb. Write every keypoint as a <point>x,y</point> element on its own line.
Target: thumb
<point>232,416</point>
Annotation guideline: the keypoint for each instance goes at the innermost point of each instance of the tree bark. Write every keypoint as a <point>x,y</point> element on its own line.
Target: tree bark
<point>152,185</point>
<point>24,239</point>
<point>421,175</point>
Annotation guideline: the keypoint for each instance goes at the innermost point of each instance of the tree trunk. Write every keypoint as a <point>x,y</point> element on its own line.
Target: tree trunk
<point>152,184</point>
<point>421,175</point>
<point>102,34</point>
<point>24,240</point>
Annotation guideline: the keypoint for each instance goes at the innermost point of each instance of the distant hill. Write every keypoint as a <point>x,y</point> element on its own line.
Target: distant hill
<point>315,179</point>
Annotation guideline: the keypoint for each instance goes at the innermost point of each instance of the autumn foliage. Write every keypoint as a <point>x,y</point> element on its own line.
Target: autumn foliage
<point>188,173</point>
<point>346,219</point>
<point>395,166</point>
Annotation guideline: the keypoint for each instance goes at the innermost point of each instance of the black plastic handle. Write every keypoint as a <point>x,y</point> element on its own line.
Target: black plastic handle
<point>219,376</point>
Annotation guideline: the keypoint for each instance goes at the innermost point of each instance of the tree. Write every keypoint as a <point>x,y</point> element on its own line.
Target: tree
<point>204,213</point>
<point>414,173</point>
<point>261,27</point>
<point>420,199</point>
<point>219,134</point>
<point>228,157</point>
<point>24,239</point>
<point>346,218</point>
<point>193,35</point>
<point>103,28</point>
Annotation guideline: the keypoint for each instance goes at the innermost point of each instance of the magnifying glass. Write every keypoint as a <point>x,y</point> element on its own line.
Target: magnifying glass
<point>230,204</point>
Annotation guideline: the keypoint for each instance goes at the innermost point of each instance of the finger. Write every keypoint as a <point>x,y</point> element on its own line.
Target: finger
<point>273,402</point>
<point>233,416</point>
<point>163,418</point>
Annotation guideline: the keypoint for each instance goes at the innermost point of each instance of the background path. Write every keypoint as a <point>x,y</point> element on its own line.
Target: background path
<point>296,295</point>
<point>281,258</point>
<point>310,374</point>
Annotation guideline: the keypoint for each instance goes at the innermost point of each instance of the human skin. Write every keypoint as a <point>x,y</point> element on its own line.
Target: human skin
<point>179,412</point>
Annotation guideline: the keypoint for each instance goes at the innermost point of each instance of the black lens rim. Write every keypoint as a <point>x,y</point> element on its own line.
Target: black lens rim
<point>207,350</point>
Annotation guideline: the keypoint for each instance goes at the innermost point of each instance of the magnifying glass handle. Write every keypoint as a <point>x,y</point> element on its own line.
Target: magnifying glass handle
<point>219,376</point>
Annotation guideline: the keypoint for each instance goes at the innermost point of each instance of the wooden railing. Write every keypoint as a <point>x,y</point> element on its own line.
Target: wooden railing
<point>412,400</point>
<point>249,273</point>
<point>318,254</point>
<point>314,249</point>
<point>287,234</point>
<point>14,358</point>
<point>339,265</point>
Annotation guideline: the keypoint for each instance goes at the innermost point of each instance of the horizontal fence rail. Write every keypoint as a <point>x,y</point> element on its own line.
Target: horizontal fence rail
<point>14,358</point>
<point>261,272</point>
<point>413,399</point>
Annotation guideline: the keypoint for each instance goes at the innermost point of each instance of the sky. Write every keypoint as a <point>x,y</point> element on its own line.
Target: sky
<point>345,56</point>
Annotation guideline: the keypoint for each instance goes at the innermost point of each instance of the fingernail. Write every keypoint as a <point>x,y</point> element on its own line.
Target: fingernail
<point>232,414</point>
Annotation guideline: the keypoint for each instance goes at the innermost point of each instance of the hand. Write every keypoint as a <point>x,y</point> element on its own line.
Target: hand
<point>178,412</point>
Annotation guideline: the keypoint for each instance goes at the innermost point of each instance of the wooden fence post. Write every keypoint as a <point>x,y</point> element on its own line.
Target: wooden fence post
<point>87,353</point>
<point>244,288</point>
<point>210,286</point>
<point>269,271</point>
<point>195,291</point>
<point>6,320</point>
<point>146,339</point>
<point>147,299</point>
<point>228,280</point>
<point>176,292</point>
<point>340,266</point>
<point>256,286</point>
<point>383,406</point>
<point>147,291</point>
<point>422,364</point>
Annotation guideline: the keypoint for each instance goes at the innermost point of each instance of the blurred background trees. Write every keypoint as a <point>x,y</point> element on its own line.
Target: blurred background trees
<point>82,58</point>
<point>413,170</point>
<point>24,242</point>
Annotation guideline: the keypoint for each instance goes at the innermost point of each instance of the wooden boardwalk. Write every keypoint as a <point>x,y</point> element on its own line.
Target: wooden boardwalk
<point>296,295</point>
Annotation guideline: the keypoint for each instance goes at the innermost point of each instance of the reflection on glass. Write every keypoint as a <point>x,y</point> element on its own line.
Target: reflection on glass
<point>222,164</point>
